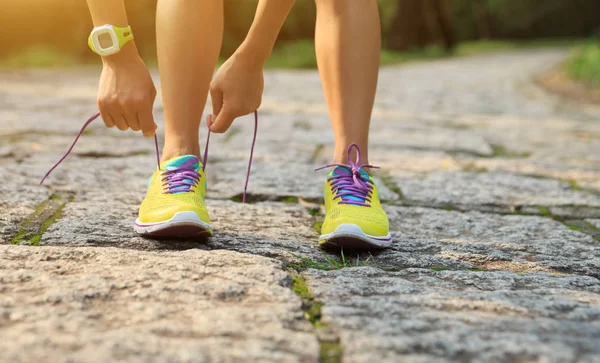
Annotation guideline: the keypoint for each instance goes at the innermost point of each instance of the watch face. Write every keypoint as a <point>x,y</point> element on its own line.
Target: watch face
<point>105,40</point>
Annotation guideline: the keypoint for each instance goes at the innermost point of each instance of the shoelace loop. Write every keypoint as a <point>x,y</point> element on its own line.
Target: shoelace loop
<point>177,177</point>
<point>348,183</point>
<point>180,179</point>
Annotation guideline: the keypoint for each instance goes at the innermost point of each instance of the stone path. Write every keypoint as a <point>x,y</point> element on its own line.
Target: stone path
<point>491,184</point>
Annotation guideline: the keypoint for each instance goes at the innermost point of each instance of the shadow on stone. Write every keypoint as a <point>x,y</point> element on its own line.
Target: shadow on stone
<point>179,244</point>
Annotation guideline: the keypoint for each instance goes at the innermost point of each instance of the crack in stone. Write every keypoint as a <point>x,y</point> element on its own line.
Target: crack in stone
<point>389,182</point>
<point>316,153</point>
<point>581,226</point>
<point>330,348</point>
<point>569,211</point>
<point>98,154</point>
<point>500,151</point>
<point>46,214</point>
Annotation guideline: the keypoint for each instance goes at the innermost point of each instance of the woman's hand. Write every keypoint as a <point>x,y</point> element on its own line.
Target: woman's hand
<point>126,93</point>
<point>236,90</point>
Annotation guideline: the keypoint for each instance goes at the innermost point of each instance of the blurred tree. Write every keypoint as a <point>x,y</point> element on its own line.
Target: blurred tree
<point>482,19</point>
<point>64,25</point>
<point>418,23</point>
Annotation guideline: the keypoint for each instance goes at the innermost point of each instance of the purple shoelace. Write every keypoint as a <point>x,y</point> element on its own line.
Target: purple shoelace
<point>179,179</point>
<point>348,183</point>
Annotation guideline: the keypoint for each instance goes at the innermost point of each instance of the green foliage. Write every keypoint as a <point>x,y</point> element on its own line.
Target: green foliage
<point>428,53</point>
<point>62,26</point>
<point>524,19</point>
<point>491,46</point>
<point>296,55</point>
<point>585,65</point>
<point>37,56</point>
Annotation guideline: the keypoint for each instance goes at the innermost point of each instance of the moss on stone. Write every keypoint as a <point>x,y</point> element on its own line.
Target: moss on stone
<point>289,200</point>
<point>23,232</point>
<point>437,269</point>
<point>315,211</point>
<point>317,226</point>
<point>236,198</point>
<point>472,167</point>
<point>316,152</point>
<point>389,182</point>
<point>573,184</point>
<point>545,211</point>
<point>500,151</point>
<point>331,352</point>
<point>299,287</point>
<point>475,269</point>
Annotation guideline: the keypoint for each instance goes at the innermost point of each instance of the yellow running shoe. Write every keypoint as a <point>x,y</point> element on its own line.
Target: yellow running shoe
<point>354,217</point>
<point>174,205</point>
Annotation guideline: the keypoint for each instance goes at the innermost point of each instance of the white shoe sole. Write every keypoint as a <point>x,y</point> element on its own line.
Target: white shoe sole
<point>352,236</point>
<point>182,224</point>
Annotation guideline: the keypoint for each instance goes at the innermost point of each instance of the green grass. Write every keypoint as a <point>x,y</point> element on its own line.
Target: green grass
<point>331,263</point>
<point>491,46</point>
<point>296,55</point>
<point>428,53</point>
<point>38,56</point>
<point>584,66</point>
<point>301,55</point>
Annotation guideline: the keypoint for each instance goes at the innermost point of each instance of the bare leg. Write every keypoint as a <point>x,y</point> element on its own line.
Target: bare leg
<point>188,38</point>
<point>348,43</point>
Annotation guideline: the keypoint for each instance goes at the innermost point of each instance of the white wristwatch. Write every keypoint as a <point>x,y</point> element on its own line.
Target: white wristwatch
<point>109,39</point>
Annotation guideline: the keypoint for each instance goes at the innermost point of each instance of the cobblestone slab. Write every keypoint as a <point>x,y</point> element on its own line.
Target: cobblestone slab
<point>106,304</point>
<point>425,316</point>
<point>491,186</point>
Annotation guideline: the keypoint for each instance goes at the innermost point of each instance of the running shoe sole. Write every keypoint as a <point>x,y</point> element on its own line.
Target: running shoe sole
<point>182,224</point>
<point>351,236</point>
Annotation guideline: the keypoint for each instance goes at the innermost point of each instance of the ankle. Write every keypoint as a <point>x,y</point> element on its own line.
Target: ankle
<point>173,151</point>
<point>340,155</point>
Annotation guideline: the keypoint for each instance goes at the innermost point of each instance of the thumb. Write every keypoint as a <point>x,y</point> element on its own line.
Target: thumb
<point>221,122</point>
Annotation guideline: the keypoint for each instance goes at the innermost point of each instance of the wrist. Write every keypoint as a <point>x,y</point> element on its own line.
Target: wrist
<point>127,53</point>
<point>253,54</point>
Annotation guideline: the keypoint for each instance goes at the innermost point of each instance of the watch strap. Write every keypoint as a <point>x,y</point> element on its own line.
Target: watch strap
<point>123,34</point>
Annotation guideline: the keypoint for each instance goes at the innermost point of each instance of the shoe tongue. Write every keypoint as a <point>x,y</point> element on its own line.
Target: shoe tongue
<point>344,170</point>
<point>186,161</point>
